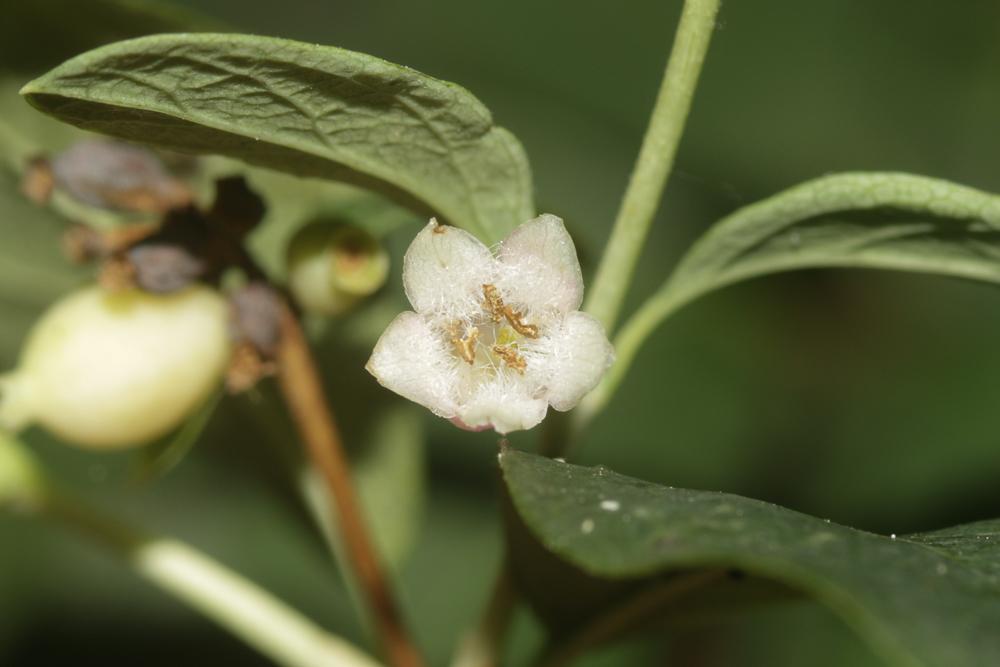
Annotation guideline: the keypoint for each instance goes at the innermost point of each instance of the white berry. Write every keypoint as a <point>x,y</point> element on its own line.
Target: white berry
<point>110,370</point>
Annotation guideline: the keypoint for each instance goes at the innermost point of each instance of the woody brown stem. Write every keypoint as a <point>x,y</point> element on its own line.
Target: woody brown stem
<point>303,392</point>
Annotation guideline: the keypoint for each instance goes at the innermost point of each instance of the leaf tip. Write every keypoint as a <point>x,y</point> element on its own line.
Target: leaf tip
<point>30,92</point>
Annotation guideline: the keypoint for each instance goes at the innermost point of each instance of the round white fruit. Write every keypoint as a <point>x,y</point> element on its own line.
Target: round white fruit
<point>114,369</point>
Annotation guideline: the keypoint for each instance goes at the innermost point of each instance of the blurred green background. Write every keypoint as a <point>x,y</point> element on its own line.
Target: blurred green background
<point>867,398</point>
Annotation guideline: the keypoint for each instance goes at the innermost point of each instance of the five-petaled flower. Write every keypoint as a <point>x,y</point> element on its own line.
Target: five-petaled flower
<point>496,338</point>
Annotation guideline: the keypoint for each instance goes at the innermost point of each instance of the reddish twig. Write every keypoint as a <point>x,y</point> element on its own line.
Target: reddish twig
<point>303,392</point>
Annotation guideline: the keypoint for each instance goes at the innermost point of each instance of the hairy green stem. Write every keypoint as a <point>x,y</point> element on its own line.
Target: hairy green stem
<point>236,604</point>
<point>656,159</point>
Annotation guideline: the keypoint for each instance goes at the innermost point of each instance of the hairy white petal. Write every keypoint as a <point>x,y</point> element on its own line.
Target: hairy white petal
<point>571,359</point>
<point>444,271</point>
<point>539,268</point>
<point>503,405</point>
<point>413,361</point>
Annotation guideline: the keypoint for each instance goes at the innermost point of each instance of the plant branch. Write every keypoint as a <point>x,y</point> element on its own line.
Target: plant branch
<point>634,611</point>
<point>656,159</point>
<point>250,613</point>
<point>303,392</point>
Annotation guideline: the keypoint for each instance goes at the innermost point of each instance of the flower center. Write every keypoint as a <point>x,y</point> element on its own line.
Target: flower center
<point>493,337</point>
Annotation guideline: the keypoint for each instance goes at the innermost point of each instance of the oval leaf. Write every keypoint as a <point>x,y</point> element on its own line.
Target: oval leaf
<point>931,599</point>
<point>305,109</point>
<point>856,220</point>
<point>873,220</point>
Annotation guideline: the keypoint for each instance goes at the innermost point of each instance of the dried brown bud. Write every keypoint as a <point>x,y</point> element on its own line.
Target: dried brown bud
<point>256,317</point>
<point>162,268</point>
<point>118,176</point>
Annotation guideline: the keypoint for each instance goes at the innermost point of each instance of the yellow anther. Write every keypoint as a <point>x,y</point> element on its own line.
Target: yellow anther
<point>511,357</point>
<point>518,324</point>
<point>499,311</point>
<point>466,345</point>
<point>494,304</point>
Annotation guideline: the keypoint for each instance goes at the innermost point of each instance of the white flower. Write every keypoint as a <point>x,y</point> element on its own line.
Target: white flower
<point>495,339</point>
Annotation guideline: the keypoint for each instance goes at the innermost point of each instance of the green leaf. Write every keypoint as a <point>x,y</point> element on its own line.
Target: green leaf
<point>928,599</point>
<point>853,220</point>
<point>867,220</point>
<point>305,109</point>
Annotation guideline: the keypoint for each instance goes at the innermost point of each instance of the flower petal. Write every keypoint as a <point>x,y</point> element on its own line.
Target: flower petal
<point>539,267</point>
<point>504,406</point>
<point>411,360</point>
<point>570,359</point>
<point>444,271</point>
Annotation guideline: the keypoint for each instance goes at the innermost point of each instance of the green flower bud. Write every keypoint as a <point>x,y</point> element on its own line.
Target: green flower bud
<point>113,369</point>
<point>332,266</point>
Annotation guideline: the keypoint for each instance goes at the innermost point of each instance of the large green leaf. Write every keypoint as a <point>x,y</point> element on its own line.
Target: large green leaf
<point>929,599</point>
<point>856,220</point>
<point>306,109</point>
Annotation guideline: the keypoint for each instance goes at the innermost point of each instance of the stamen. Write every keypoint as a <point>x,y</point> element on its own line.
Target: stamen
<point>511,358</point>
<point>494,304</point>
<point>499,311</point>
<point>466,346</point>
<point>518,324</point>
